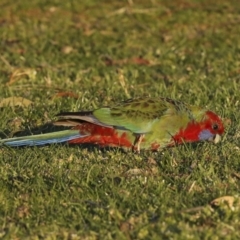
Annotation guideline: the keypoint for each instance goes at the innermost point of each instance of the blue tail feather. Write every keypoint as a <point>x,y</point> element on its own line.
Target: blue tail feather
<point>42,139</point>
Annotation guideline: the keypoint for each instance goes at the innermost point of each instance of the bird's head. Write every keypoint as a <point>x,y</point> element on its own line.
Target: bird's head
<point>209,127</point>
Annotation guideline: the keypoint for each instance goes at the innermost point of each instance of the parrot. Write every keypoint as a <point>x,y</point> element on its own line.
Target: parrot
<point>141,123</point>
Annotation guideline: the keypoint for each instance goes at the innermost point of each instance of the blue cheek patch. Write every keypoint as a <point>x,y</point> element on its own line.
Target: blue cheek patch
<point>205,135</point>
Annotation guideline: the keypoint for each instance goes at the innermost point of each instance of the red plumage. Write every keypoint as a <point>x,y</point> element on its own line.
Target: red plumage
<point>103,136</point>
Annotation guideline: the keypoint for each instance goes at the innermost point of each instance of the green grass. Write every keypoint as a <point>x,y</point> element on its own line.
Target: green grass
<point>190,51</point>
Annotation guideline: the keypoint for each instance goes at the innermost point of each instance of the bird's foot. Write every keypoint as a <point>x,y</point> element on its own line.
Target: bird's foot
<point>137,143</point>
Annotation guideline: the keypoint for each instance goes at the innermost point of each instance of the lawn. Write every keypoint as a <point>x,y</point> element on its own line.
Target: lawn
<point>71,55</point>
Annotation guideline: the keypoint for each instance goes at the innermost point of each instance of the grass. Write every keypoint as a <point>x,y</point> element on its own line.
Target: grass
<point>82,55</point>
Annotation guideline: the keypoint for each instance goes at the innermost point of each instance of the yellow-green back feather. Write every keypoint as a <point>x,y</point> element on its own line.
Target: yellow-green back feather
<point>141,115</point>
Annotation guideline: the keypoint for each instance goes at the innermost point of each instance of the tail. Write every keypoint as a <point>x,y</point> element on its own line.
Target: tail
<point>81,133</point>
<point>42,139</point>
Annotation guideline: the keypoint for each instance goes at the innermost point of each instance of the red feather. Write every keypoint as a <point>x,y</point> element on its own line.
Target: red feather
<point>100,135</point>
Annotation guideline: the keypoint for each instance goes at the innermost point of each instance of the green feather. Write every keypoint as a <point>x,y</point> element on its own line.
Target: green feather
<point>142,115</point>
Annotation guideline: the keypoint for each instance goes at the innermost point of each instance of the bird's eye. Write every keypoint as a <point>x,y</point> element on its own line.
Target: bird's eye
<point>215,126</point>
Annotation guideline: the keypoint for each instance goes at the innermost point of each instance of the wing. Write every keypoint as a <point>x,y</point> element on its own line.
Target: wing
<point>136,115</point>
